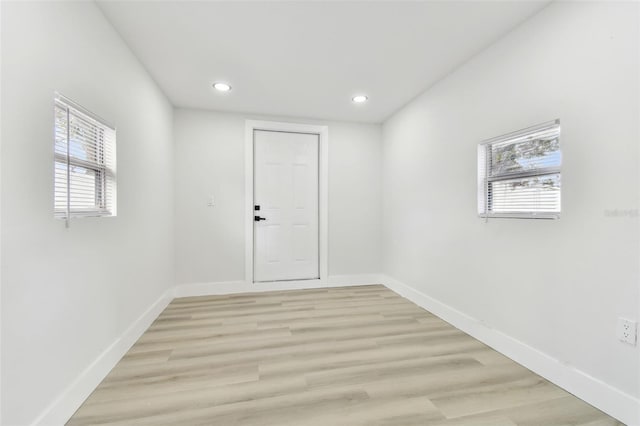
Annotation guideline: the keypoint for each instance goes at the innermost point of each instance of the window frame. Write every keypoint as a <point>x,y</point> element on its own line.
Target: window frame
<point>485,165</point>
<point>100,167</point>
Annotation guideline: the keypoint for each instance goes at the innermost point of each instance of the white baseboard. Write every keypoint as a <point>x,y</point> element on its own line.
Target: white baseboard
<point>612,401</point>
<point>63,407</point>
<point>353,279</point>
<point>232,287</point>
<point>61,410</point>
<point>616,403</point>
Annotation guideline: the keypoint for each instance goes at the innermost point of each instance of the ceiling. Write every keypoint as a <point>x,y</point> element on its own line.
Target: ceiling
<point>305,58</point>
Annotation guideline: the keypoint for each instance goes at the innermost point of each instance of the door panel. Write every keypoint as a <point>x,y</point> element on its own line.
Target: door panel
<point>286,189</point>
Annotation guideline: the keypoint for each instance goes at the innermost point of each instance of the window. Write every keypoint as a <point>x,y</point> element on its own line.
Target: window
<point>519,173</point>
<point>85,162</point>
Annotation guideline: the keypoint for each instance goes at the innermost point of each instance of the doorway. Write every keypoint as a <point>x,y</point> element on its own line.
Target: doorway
<point>287,201</point>
<point>285,197</point>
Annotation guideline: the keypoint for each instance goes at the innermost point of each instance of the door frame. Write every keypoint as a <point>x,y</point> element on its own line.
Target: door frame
<point>323,189</point>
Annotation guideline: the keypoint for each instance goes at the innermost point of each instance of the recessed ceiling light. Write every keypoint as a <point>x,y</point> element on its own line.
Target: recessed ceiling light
<point>221,87</point>
<point>359,99</point>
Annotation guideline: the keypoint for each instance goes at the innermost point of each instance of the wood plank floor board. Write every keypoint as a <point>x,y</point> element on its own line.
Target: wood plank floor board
<point>273,351</point>
<point>337,356</point>
<point>435,384</point>
<point>202,337</point>
<point>473,400</point>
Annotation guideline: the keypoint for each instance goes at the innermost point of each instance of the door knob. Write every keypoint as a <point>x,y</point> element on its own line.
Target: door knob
<point>258,218</point>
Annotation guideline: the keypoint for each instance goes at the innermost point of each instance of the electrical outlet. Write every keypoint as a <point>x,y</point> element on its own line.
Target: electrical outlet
<point>627,331</point>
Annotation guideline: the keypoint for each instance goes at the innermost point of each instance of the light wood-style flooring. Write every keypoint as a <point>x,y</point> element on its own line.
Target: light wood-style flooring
<point>337,356</point>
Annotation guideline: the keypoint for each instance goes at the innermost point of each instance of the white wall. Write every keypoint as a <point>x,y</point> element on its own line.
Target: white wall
<point>67,294</point>
<point>557,286</point>
<point>574,61</point>
<point>209,160</point>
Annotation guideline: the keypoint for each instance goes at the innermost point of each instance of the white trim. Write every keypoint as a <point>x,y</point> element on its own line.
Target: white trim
<point>597,393</point>
<point>353,279</point>
<point>236,287</point>
<point>605,397</point>
<point>323,134</point>
<point>63,407</point>
<point>66,404</point>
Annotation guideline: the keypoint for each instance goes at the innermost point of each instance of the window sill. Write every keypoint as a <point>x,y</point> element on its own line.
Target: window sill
<point>519,216</point>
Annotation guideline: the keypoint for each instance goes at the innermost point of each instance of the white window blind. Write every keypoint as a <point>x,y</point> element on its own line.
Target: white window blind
<point>519,173</point>
<point>85,162</point>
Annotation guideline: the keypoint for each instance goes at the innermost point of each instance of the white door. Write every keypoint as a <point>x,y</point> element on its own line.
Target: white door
<point>285,244</point>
